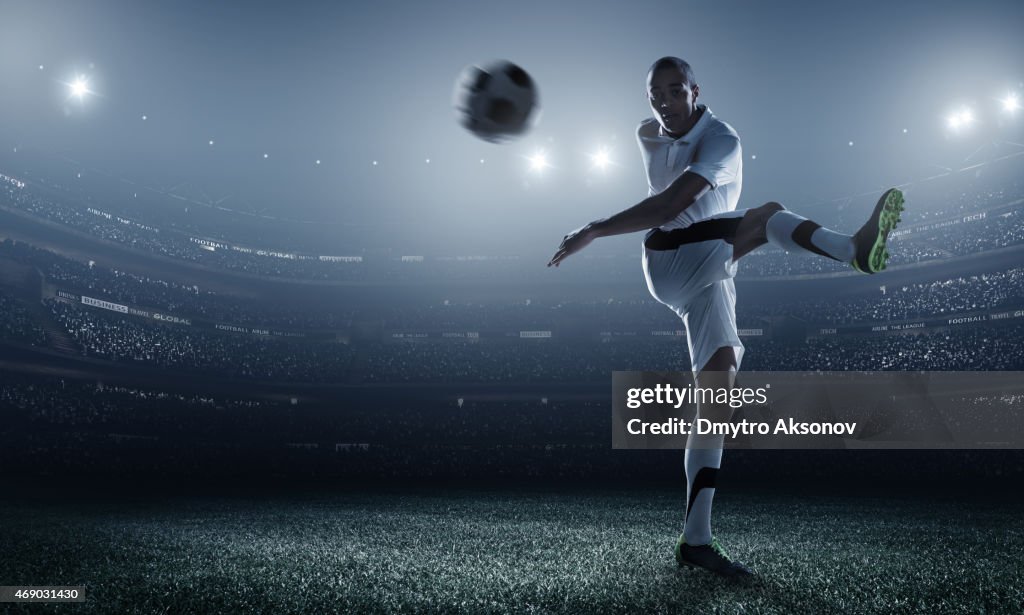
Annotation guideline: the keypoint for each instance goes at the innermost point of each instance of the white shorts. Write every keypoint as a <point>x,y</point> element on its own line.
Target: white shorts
<point>696,281</point>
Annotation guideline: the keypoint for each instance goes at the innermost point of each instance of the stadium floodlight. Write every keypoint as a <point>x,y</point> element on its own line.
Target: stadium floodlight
<point>1011,103</point>
<point>538,162</point>
<point>601,159</point>
<point>79,87</point>
<point>961,119</point>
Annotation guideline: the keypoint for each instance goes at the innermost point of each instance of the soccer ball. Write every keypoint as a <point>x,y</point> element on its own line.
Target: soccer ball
<point>496,101</point>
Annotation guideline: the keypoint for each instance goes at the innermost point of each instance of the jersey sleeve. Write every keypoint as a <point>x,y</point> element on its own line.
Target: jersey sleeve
<point>718,159</point>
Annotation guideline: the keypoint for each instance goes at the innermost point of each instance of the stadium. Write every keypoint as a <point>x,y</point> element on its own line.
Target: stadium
<point>218,404</point>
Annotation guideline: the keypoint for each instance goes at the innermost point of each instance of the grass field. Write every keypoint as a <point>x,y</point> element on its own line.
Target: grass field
<point>511,551</point>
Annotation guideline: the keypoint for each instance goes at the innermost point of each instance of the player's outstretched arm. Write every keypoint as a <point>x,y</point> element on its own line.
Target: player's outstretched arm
<point>647,214</point>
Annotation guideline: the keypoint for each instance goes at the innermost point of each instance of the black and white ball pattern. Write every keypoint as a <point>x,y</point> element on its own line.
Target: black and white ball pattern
<point>496,101</point>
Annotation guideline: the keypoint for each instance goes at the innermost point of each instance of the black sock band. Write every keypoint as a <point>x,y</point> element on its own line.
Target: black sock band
<point>802,236</point>
<point>705,479</point>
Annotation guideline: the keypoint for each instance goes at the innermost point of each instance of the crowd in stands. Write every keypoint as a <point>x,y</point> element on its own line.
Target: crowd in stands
<point>575,353</point>
<point>936,297</point>
<point>17,325</point>
<point>962,348</point>
<point>588,339</point>
<point>124,338</point>
<point>364,419</point>
<point>954,295</point>
<point>968,348</point>
<point>974,217</point>
<point>584,357</point>
<point>59,426</point>
<point>181,300</point>
<point>66,428</point>
<point>44,403</point>
<point>556,360</point>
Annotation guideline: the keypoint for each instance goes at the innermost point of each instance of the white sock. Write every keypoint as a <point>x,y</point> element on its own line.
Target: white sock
<point>702,463</point>
<point>795,233</point>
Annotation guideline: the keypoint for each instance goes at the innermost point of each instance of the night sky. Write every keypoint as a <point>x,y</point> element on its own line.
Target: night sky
<point>348,83</point>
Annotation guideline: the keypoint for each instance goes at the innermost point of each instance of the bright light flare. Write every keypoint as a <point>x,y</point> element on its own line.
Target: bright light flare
<point>538,162</point>
<point>1011,103</point>
<point>961,119</point>
<point>601,159</point>
<point>79,87</point>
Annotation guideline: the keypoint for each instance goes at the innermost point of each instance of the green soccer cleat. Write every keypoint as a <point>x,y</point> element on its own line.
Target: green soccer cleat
<point>869,242</point>
<point>710,557</point>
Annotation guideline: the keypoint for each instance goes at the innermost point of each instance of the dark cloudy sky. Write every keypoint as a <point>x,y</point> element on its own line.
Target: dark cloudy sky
<point>352,82</point>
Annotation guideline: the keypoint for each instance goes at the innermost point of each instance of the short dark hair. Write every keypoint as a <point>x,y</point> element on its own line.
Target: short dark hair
<point>674,62</point>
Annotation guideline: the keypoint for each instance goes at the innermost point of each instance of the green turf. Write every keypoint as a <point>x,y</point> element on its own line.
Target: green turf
<point>474,551</point>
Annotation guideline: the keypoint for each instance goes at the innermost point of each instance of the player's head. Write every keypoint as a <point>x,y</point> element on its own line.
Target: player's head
<point>672,93</point>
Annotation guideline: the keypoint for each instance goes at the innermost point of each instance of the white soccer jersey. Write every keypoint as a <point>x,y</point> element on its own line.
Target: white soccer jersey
<point>710,149</point>
<point>695,279</point>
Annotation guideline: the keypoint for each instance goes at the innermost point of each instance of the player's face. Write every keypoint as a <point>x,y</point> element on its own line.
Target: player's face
<point>672,100</point>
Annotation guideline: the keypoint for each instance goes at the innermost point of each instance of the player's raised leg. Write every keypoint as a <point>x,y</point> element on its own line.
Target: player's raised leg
<point>697,547</point>
<point>866,250</point>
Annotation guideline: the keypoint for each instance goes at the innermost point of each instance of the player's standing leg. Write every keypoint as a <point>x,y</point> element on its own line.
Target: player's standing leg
<point>697,547</point>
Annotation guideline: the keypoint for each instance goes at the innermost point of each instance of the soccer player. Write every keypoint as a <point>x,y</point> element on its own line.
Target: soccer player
<point>695,238</point>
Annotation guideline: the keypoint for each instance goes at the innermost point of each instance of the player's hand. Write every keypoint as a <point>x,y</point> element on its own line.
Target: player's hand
<point>573,243</point>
